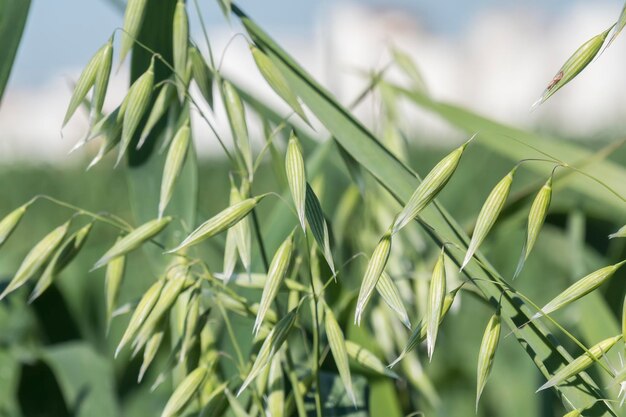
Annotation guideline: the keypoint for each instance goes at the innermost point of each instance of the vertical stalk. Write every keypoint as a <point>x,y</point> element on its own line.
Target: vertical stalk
<point>316,338</point>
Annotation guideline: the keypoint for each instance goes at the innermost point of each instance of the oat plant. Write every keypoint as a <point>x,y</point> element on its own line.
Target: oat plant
<point>328,276</point>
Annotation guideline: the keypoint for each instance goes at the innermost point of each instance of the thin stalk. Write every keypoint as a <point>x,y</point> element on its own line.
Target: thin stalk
<point>233,339</point>
<point>293,379</point>
<point>205,33</point>
<point>316,338</point>
<point>608,149</point>
<point>113,220</point>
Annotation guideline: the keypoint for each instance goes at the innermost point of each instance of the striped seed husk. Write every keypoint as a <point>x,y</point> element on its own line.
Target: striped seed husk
<point>374,270</point>
<point>63,256</point>
<point>582,362</point>
<point>9,223</point>
<point>145,305</point>
<point>134,106</point>
<point>242,230</point>
<point>576,63</point>
<point>536,218</point>
<point>133,240</point>
<point>173,165</point>
<point>489,214</point>
<point>133,18</point>
<point>367,359</point>
<point>180,40</point>
<point>419,334</point>
<point>152,347</point>
<point>85,82</point>
<point>37,258</point>
<point>319,226</point>
<point>337,345</point>
<point>112,282</point>
<point>237,117</point>
<point>487,352</point>
<point>429,188</point>
<point>275,275</point>
<point>159,108</point>
<point>101,83</point>
<point>436,297</point>
<point>390,294</point>
<point>296,177</point>
<point>276,80</point>
<point>201,74</point>
<point>220,222</point>
<point>580,288</point>
<point>185,392</point>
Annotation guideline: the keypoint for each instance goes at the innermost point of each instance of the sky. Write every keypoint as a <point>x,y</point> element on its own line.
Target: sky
<point>63,34</point>
<point>492,56</point>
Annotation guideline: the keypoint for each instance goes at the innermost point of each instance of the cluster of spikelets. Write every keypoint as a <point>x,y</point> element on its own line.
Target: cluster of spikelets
<point>187,277</point>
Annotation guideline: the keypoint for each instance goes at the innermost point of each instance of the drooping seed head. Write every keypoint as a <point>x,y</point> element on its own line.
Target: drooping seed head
<point>579,289</point>
<point>367,359</point>
<point>134,107</point>
<point>220,222</point>
<point>271,345</point>
<point>85,82</point>
<point>146,303</point>
<point>62,257</point>
<point>487,352</point>
<point>9,223</point>
<point>390,294</point>
<point>536,218</point>
<point>575,64</point>
<point>133,18</point>
<point>489,214</point>
<point>36,258</point>
<point>296,177</point>
<point>436,295</point>
<point>419,334</point>
<point>275,275</point>
<point>276,80</point>
<point>581,363</point>
<point>428,189</point>
<point>374,270</point>
<point>337,345</point>
<point>159,108</point>
<point>167,297</point>
<point>112,282</point>
<point>151,349</point>
<point>242,230</point>
<point>185,392</point>
<point>173,165</point>
<point>237,117</point>
<point>201,74</point>
<point>133,240</point>
<point>319,226</point>
<point>101,82</point>
<point>180,40</point>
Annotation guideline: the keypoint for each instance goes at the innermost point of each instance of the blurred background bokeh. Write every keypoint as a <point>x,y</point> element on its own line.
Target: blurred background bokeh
<point>493,57</point>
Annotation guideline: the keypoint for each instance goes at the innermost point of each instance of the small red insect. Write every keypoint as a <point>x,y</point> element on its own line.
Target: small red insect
<point>555,80</point>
